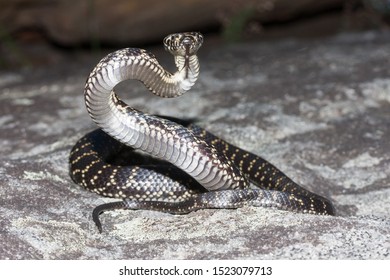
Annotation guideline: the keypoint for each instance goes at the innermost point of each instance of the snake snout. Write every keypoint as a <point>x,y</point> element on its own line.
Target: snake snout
<point>187,42</point>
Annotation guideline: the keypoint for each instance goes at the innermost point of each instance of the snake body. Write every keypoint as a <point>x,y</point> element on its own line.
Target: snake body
<point>196,169</point>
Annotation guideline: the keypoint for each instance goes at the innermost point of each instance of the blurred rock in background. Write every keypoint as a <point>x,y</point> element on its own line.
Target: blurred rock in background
<point>112,22</point>
<point>97,23</point>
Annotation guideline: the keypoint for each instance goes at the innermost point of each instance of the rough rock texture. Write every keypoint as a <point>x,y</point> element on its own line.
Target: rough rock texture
<point>319,110</point>
<point>111,22</point>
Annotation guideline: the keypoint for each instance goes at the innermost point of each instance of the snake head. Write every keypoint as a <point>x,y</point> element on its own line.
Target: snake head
<point>183,44</point>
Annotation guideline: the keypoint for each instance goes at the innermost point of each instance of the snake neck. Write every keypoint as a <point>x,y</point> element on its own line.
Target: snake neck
<point>133,64</point>
<point>157,137</point>
<point>188,71</point>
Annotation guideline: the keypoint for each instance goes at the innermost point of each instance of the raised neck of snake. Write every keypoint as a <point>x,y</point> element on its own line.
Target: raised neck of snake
<point>153,135</point>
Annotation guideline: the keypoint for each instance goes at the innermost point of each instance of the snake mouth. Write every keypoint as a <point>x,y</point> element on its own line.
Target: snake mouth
<point>187,47</point>
<point>188,43</point>
<point>186,61</point>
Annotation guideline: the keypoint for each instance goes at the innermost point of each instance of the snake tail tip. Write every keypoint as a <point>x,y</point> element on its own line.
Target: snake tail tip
<point>98,224</point>
<point>95,217</point>
<point>100,229</point>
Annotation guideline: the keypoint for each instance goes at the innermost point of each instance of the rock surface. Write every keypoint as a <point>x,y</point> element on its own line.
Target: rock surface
<point>319,110</point>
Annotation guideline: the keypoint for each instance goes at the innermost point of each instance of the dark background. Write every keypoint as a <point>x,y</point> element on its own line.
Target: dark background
<point>40,32</point>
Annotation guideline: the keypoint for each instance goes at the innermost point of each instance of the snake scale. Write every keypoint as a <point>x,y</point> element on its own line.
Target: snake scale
<point>167,164</point>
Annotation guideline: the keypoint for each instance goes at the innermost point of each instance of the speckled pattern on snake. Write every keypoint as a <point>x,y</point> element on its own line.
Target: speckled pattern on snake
<point>181,167</point>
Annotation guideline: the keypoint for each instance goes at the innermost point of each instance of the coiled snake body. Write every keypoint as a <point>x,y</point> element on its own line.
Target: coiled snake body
<point>198,170</point>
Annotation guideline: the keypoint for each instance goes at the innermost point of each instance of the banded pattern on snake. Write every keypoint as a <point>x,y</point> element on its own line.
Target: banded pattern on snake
<point>195,169</point>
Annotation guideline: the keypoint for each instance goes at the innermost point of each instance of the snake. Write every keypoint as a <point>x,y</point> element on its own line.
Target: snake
<point>151,162</point>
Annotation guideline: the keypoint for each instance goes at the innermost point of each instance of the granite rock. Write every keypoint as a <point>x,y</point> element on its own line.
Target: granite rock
<point>318,109</point>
